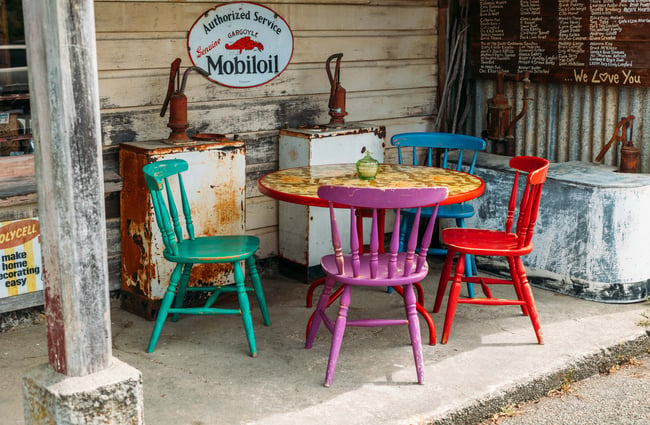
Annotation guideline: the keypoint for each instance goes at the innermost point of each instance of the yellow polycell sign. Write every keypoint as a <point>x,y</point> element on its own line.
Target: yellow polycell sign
<point>21,267</point>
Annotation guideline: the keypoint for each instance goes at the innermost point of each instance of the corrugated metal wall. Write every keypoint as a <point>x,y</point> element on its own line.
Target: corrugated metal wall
<point>571,122</point>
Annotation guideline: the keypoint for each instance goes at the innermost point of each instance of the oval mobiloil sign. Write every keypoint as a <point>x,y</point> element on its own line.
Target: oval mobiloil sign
<point>240,44</point>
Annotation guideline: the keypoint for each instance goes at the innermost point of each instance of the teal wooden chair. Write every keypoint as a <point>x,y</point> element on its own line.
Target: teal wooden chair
<point>467,147</point>
<point>186,250</point>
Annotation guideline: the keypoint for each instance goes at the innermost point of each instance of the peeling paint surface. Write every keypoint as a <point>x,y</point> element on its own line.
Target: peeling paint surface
<point>215,184</point>
<point>591,234</point>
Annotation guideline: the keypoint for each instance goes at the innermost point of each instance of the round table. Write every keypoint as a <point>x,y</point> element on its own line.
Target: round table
<point>300,185</point>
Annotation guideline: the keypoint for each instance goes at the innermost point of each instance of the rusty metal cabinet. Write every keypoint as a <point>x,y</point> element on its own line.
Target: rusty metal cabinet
<point>304,232</point>
<point>216,185</point>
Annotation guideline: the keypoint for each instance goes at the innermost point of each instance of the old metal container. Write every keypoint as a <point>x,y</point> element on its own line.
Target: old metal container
<point>304,232</point>
<point>216,186</point>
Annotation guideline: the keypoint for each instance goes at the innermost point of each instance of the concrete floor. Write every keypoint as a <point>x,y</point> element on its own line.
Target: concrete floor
<point>201,373</point>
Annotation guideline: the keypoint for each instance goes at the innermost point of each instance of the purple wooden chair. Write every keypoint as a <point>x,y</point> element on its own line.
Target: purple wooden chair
<point>372,268</point>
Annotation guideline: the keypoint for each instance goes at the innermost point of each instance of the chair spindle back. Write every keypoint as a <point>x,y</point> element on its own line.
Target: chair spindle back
<point>374,199</point>
<point>157,177</point>
<point>537,169</point>
<point>446,142</point>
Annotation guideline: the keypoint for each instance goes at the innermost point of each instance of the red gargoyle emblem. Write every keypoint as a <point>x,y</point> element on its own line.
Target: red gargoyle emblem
<point>245,43</point>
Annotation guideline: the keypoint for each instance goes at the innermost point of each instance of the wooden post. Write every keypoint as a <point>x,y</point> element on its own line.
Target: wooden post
<point>60,37</point>
<point>82,383</point>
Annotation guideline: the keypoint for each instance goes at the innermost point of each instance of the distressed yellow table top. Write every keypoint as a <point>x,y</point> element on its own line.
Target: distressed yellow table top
<point>300,185</point>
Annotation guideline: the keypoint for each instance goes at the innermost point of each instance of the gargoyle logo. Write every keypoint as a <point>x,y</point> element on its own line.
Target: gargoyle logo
<point>245,43</point>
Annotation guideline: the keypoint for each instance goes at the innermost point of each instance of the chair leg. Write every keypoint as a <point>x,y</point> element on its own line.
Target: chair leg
<point>530,301</point>
<point>516,282</point>
<point>420,292</point>
<point>312,328</point>
<point>404,227</point>
<point>469,272</point>
<point>425,315</point>
<point>414,330</point>
<point>257,288</point>
<point>444,279</point>
<point>182,289</point>
<point>454,292</point>
<point>337,335</point>
<point>164,307</point>
<point>245,308</point>
<point>335,296</point>
<point>310,291</point>
<point>470,265</point>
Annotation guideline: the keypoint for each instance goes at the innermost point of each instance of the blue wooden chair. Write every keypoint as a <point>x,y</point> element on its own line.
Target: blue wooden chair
<point>467,148</point>
<point>374,268</point>
<point>186,250</point>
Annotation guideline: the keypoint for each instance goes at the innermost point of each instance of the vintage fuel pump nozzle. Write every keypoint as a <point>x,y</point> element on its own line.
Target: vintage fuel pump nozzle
<point>337,92</point>
<point>177,102</point>
<point>629,153</point>
<point>500,128</point>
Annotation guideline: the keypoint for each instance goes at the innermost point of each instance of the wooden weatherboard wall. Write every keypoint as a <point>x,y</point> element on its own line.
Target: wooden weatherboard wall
<point>389,70</point>
<point>565,41</point>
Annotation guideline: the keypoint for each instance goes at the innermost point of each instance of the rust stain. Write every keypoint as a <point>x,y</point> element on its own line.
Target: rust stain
<point>55,327</point>
<point>211,274</point>
<point>135,207</point>
<point>217,208</point>
<point>160,148</point>
<point>321,131</point>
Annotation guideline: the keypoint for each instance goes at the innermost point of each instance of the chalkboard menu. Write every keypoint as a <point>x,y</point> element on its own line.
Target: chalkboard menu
<point>569,41</point>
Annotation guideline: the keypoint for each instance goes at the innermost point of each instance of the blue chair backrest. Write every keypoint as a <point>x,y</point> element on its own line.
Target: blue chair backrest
<point>447,142</point>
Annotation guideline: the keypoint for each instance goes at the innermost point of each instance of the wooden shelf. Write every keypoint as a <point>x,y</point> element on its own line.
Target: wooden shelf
<point>16,138</point>
<point>14,96</point>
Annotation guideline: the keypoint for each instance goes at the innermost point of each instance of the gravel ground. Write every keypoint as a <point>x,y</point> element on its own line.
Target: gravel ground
<point>621,397</point>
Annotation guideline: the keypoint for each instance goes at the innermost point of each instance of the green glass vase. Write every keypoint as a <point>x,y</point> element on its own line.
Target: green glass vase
<point>367,167</point>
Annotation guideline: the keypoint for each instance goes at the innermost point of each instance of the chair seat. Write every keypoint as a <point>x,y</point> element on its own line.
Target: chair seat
<point>328,263</point>
<point>215,249</point>
<point>483,242</point>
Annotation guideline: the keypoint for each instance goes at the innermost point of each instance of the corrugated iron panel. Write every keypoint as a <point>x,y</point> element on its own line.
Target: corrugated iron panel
<point>571,122</point>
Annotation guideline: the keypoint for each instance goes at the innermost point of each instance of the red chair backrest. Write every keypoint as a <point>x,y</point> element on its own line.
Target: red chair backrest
<point>373,199</point>
<point>537,169</point>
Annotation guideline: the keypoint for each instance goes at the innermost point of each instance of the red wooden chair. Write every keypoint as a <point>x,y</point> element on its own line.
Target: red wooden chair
<point>372,268</point>
<point>512,245</point>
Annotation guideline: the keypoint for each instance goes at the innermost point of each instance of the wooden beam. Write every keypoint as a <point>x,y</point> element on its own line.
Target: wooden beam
<point>68,159</point>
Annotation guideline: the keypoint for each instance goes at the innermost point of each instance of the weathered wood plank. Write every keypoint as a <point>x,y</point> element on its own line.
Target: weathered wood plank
<point>268,113</point>
<point>261,147</point>
<point>148,87</point>
<point>261,211</point>
<point>254,173</point>
<point>19,302</point>
<point>113,241</point>
<point>18,212</point>
<point>166,17</point>
<point>159,52</point>
<point>17,166</point>
<point>268,241</point>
